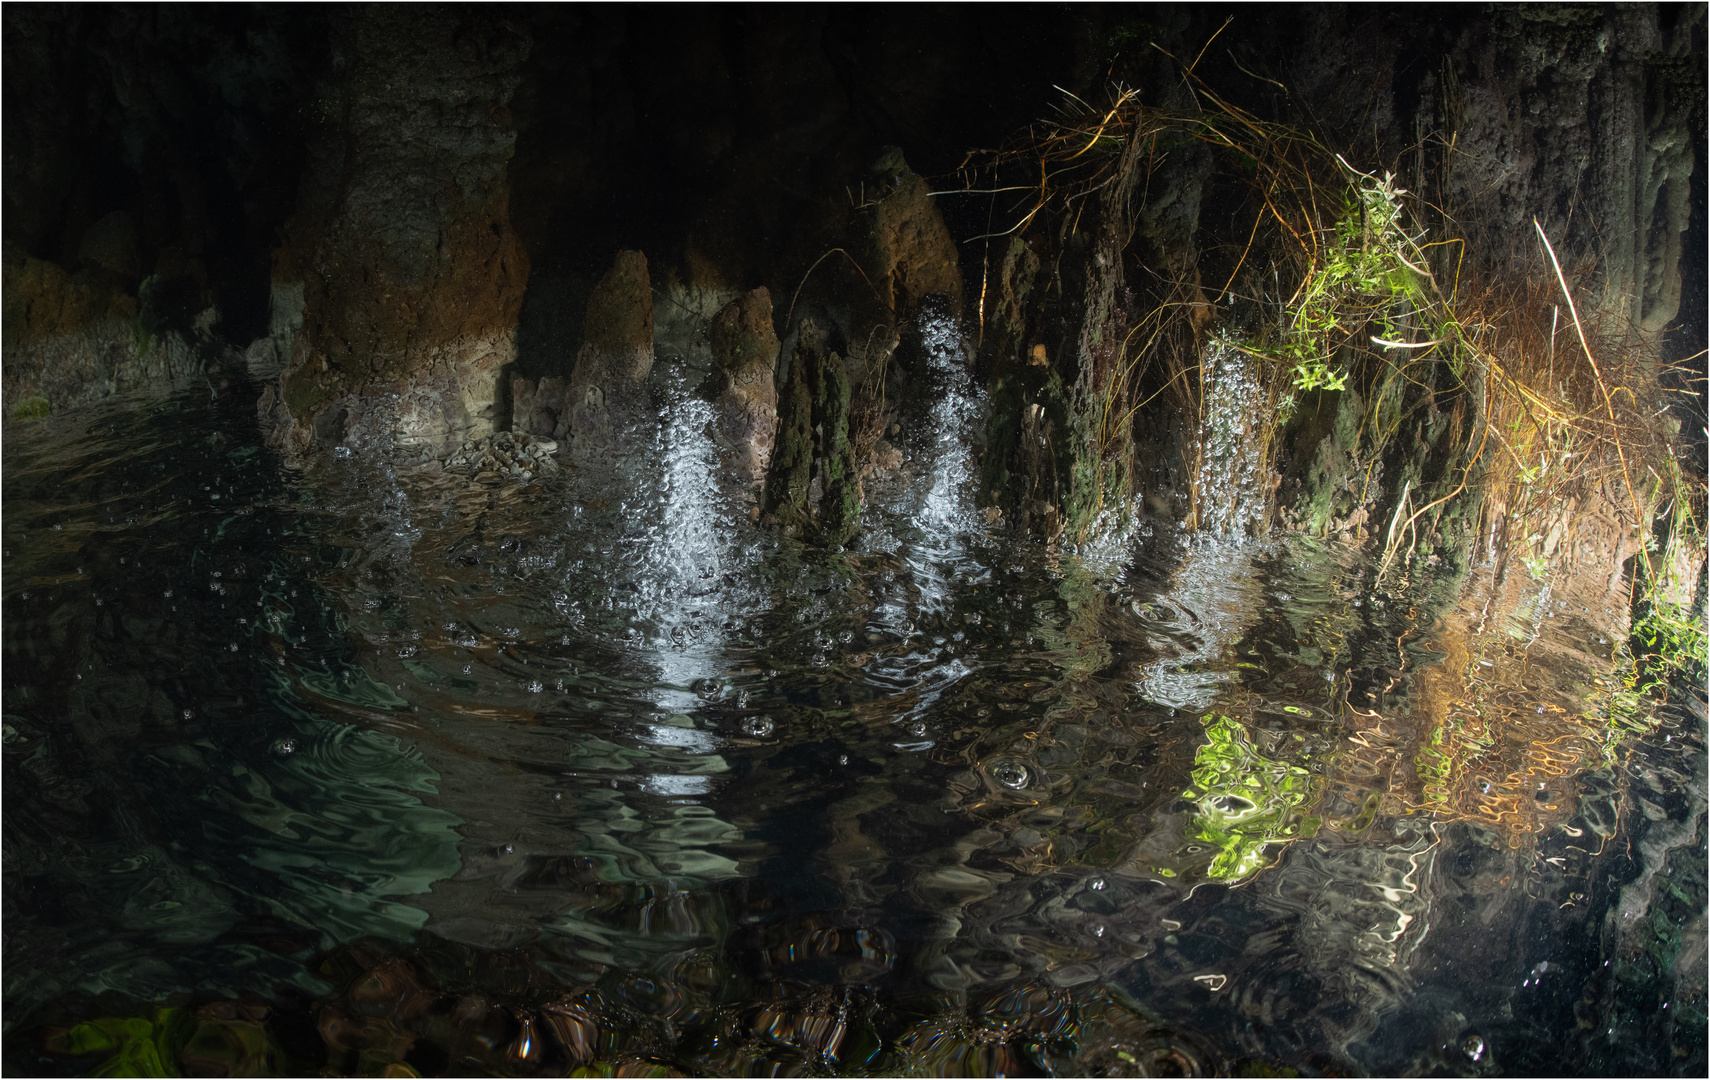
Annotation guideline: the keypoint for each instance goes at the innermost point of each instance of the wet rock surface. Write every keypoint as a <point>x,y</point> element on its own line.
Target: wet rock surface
<point>743,383</point>
<point>813,488</point>
<point>616,354</point>
<point>503,456</point>
<point>412,276</point>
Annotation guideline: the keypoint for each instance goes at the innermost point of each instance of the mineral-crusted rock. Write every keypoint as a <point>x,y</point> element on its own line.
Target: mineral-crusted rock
<point>840,506</point>
<point>538,407</point>
<point>915,256</point>
<point>412,275</point>
<point>74,338</point>
<point>503,455</point>
<point>812,487</point>
<point>745,358</point>
<point>784,502</point>
<point>616,355</point>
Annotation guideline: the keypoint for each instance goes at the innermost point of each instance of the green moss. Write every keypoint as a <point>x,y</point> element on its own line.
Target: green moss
<point>840,503</point>
<point>32,409</point>
<point>791,470</point>
<point>304,394</point>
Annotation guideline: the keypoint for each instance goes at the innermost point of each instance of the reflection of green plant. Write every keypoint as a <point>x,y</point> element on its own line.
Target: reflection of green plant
<point>1247,801</point>
<point>135,1046</point>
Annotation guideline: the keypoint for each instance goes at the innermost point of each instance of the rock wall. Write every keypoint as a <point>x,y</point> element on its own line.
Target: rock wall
<point>151,154</point>
<point>346,196</point>
<point>412,276</point>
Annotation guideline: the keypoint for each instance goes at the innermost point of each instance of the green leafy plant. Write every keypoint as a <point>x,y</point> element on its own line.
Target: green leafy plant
<point>1360,274</point>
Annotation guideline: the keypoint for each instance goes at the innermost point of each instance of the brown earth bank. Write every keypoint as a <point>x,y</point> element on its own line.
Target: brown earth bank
<point>420,225</point>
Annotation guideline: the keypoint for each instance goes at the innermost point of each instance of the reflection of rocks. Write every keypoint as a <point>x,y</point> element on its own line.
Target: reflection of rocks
<point>745,356</point>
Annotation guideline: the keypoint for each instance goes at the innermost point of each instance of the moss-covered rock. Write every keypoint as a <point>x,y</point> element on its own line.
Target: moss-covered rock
<point>813,448</point>
<point>785,500</point>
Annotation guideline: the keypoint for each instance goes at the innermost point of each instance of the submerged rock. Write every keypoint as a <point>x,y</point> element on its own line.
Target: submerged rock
<point>505,456</point>
<point>745,357</point>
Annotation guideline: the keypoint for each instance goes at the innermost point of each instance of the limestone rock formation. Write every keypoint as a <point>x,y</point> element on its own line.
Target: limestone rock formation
<point>813,487</point>
<point>604,386</point>
<point>912,249</point>
<point>745,356</point>
<point>617,350</point>
<point>412,276</point>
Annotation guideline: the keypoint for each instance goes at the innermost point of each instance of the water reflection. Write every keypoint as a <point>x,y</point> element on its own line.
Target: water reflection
<point>593,773</point>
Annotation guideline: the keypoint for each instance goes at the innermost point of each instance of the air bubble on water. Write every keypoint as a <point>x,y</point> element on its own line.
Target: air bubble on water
<point>1098,883</point>
<point>917,729</point>
<point>1098,931</point>
<point>1473,1047</point>
<point>846,637</point>
<point>466,668</point>
<point>843,759</point>
<point>285,747</point>
<point>535,687</point>
<point>759,726</point>
<point>1010,773</point>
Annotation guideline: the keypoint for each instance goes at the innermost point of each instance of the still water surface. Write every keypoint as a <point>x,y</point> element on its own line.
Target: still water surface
<point>352,766</point>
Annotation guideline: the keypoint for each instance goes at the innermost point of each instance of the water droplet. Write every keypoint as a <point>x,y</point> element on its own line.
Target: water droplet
<point>535,688</point>
<point>1098,931</point>
<point>1473,1047</point>
<point>234,646</point>
<point>1010,773</point>
<point>759,726</point>
<point>1098,883</point>
<point>285,747</point>
<point>188,714</point>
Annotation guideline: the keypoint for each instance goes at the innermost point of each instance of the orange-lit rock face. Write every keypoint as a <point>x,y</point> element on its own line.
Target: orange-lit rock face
<point>745,356</point>
<point>412,276</point>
